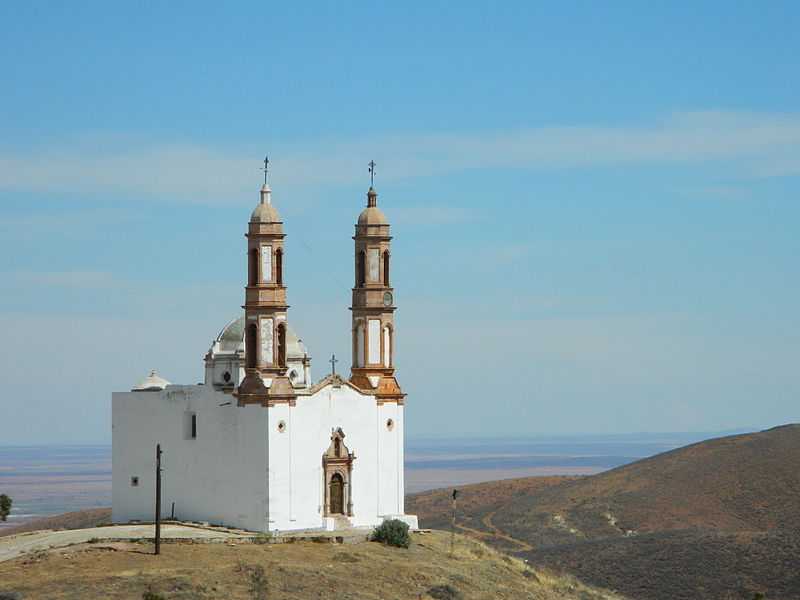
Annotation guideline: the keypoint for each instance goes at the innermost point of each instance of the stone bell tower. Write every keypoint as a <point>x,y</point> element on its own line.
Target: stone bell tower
<point>265,307</point>
<point>373,306</point>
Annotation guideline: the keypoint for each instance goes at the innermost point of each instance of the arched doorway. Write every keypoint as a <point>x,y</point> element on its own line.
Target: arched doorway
<point>337,468</point>
<point>336,494</point>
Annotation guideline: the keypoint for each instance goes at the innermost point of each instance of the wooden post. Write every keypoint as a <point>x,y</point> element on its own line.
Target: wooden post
<point>158,498</point>
<point>453,523</point>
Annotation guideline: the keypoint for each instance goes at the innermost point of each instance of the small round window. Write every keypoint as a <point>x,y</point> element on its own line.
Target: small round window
<point>390,424</point>
<point>281,426</point>
<point>226,376</point>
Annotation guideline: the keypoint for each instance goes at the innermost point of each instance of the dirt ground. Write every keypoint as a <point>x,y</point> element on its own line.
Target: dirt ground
<point>292,571</point>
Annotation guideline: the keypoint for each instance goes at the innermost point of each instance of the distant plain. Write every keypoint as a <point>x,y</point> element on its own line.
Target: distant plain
<point>53,479</point>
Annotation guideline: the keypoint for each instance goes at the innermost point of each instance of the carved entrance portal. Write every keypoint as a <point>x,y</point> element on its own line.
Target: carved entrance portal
<point>337,466</point>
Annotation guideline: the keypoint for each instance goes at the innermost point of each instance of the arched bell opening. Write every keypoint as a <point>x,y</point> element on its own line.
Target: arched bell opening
<point>282,345</point>
<point>279,266</point>
<point>361,269</point>
<point>251,346</point>
<point>252,267</point>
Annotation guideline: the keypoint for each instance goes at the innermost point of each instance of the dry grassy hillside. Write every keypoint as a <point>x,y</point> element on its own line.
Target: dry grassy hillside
<point>303,570</point>
<point>745,482</point>
<point>81,519</point>
<point>718,519</point>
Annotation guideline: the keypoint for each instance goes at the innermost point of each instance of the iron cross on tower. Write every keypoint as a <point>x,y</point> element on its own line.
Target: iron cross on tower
<point>371,173</point>
<point>333,362</point>
<point>266,168</point>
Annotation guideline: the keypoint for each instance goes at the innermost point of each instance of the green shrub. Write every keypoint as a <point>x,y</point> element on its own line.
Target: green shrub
<point>151,595</point>
<point>5,507</point>
<point>392,532</point>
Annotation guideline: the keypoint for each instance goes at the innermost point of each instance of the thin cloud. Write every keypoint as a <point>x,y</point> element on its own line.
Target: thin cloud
<point>197,173</point>
<point>68,279</point>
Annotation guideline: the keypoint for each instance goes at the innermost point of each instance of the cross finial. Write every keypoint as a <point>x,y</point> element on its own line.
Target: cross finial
<point>371,173</point>
<point>266,168</point>
<point>333,362</point>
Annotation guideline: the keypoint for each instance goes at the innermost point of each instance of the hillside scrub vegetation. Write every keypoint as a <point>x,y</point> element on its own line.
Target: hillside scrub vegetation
<point>298,571</point>
<point>716,519</point>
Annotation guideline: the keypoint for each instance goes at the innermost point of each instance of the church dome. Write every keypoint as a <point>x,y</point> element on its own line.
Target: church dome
<point>151,383</point>
<point>265,212</point>
<point>231,339</point>
<point>372,215</point>
<point>232,336</point>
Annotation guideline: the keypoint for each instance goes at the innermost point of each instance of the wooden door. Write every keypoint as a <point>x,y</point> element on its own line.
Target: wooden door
<point>337,494</point>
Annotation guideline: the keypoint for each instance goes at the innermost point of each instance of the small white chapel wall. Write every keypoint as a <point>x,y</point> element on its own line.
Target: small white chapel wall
<point>217,477</point>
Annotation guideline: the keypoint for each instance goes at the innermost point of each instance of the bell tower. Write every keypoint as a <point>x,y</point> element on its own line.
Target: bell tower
<point>265,307</point>
<point>373,306</point>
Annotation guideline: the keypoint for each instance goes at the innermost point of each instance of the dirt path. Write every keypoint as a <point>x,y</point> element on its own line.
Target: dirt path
<point>487,520</point>
<point>494,533</point>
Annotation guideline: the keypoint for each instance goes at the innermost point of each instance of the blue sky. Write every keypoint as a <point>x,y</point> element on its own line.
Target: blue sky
<point>595,205</point>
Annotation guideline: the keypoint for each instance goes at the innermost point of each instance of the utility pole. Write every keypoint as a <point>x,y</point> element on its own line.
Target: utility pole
<point>453,523</point>
<point>158,498</point>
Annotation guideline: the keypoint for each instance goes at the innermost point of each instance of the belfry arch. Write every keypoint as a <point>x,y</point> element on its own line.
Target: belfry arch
<point>251,346</point>
<point>252,268</point>
<point>282,345</point>
<point>279,266</point>
<point>361,269</point>
<point>337,468</point>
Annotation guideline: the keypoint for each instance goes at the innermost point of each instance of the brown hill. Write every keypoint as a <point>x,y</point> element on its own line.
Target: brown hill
<point>728,507</point>
<point>80,519</point>
<point>298,571</point>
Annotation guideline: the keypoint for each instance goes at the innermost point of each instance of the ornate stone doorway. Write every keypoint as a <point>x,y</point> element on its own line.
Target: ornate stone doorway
<point>337,466</point>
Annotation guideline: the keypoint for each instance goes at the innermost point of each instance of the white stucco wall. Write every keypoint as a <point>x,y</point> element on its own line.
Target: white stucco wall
<point>242,470</point>
<point>218,477</point>
<point>295,457</point>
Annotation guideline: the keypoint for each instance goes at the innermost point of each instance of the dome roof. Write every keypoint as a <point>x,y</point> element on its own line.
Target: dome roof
<point>231,339</point>
<point>265,212</point>
<point>232,336</point>
<point>372,215</point>
<point>151,383</point>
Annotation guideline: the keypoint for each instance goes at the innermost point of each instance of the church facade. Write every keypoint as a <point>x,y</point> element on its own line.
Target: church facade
<point>259,445</point>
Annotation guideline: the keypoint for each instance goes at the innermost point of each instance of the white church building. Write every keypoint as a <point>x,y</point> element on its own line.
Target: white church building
<point>260,445</point>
